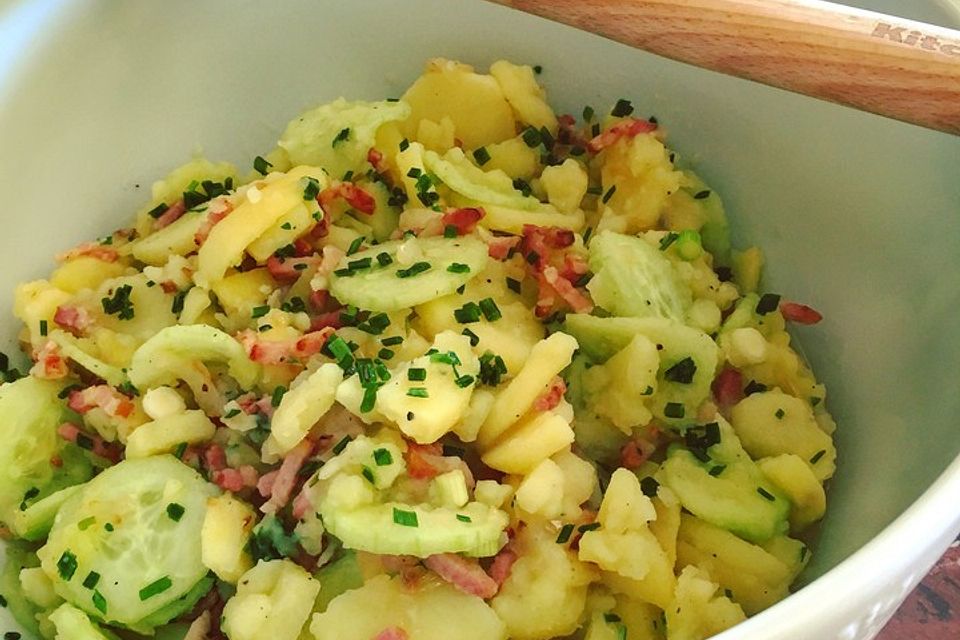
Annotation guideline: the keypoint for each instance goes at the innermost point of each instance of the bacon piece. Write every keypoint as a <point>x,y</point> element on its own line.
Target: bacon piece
<point>502,565</point>
<point>628,128</point>
<point>567,132</point>
<point>466,575</point>
<point>72,433</point>
<point>375,158</point>
<point>539,243</point>
<point>632,455</point>
<point>550,398</point>
<point>354,195</point>
<point>422,460</point>
<point>286,478</point>
<point>282,351</point>
<point>570,294</point>
<point>464,220</point>
<point>215,458</point>
<point>170,215</point>
<point>728,387</point>
<point>289,269</point>
<point>301,504</point>
<point>73,318</point>
<point>50,364</point>
<point>213,217</point>
<point>266,482</point>
<point>391,633</point>
<point>800,313</point>
<point>101,396</point>
<point>499,247</point>
<point>91,249</point>
<point>235,480</point>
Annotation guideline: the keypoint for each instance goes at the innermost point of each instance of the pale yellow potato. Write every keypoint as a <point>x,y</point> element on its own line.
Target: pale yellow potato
<point>273,601</point>
<point>528,443</point>
<point>697,613</point>
<point>240,292</point>
<point>525,95</point>
<point>620,389</point>
<point>165,434</point>
<point>301,407</point>
<point>286,230</point>
<point>644,178</point>
<point>566,184</point>
<point>474,103</point>
<point>84,272</point>
<point>436,136</point>
<point>748,269</point>
<point>170,189</point>
<point>514,157</point>
<point>177,238</point>
<point>541,492</point>
<point>227,524</point>
<point>35,302</point>
<point>195,303</point>
<point>793,476</point>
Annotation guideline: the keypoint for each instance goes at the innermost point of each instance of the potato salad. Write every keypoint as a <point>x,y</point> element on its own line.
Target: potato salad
<point>447,365</point>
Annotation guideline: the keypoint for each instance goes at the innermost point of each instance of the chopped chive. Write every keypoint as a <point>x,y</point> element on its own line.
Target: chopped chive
<point>537,69</point>
<point>108,527</point>
<point>259,312</point>
<point>450,231</point>
<point>464,381</point>
<point>362,263</point>
<point>382,457</point>
<point>67,565</point>
<point>340,446</point>
<point>622,109</point>
<point>701,195</point>
<point>416,374</point>
<point>470,312</point>
<point>355,245</point>
<point>448,357</point>
<point>277,396</point>
<point>311,189</point>
<point>481,155</point>
<point>384,258</point>
<point>261,166</point>
<point>668,240</point>
<point>492,368</point>
<point>91,580</point>
<point>474,338</point>
<point>768,302</point>
<point>99,602</point>
<point>754,387</point>
<point>674,410</point>
<point>766,494</point>
<point>463,518</point>
<point>588,113</point>
<point>392,341</point>
<point>369,398</point>
<point>513,284</point>
<point>175,511</point>
<point>119,303</point>
<point>649,486</point>
<point>414,269</point>
<point>158,210</point>
<point>385,354</point>
<point>414,172</point>
<point>609,194</point>
<point>717,470</point>
<point>155,588</point>
<point>682,372</point>
<point>593,526</point>
<point>286,226</point>
<point>522,186</point>
<point>816,457</point>
<point>343,136</point>
<point>86,523</point>
<point>418,392</point>
<point>587,234</point>
<point>182,447</point>
<point>565,532</point>
<point>348,176</point>
<point>779,414</point>
<point>490,310</point>
<point>531,137</point>
<point>594,190</point>
<point>405,518</point>
<point>404,144</point>
<point>43,327</point>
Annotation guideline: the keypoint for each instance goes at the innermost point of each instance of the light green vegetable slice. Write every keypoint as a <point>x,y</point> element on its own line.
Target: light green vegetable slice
<point>338,577</point>
<point>155,362</point>
<point>400,285</point>
<point>123,528</point>
<point>495,187</point>
<point>34,522</point>
<point>633,278</point>
<point>73,624</point>
<point>70,348</point>
<point>18,556</point>
<point>337,136</point>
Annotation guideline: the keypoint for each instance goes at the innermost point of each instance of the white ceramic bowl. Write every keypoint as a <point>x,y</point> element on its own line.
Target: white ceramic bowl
<point>860,216</point>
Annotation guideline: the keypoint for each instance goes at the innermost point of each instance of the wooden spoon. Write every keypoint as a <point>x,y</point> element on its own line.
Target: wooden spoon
<point>890,66</point>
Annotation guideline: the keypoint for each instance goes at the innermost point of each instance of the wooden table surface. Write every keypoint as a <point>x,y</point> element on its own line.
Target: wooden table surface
<point>932,612</point>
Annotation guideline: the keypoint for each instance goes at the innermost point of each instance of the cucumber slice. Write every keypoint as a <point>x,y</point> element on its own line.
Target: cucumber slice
<point>34,523</point>
<point>338,577</point>
<point>18,556</point>
<point>118,526</point>
<point>601,338</point>
<point>728,490</point>
<point>383,288</point>
<point>419,530</point>
<point>633,278</point>
<point>155,362</point>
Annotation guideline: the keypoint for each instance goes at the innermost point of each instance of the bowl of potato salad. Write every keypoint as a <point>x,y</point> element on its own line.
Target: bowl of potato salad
<point>487,329</point>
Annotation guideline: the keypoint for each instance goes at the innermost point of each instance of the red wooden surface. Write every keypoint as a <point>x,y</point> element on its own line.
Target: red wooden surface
<point>932,612</point>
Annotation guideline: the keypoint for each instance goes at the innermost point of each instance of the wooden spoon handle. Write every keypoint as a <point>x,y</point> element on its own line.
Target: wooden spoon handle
<point>894,67</point>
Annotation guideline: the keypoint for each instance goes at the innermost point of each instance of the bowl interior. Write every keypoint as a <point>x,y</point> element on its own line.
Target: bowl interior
<point>858,214</point>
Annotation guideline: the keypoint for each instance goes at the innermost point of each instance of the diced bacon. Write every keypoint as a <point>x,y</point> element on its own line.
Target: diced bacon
<point>375,158</point>
<point>301,504</point>
<point>200,628</point>
<point>502,565</point>
<point>319,299</point>
<point>466,575</point>
<point>213,217</point>
<point>728,387</point>
<point>111,401</point>
<point>550,398</point>
<point>422,460</point>
<point>56,461</point>
<point>286,478</point>
<point>91,249</point>
<point>570,294</point>
<point>72,433</point>
<point>543,242</point>
<point>215,458</point>
<point>634,453</point>
<point>281,351</point>
<point>567,132</point>
<point>50,364</point>
<point>574,266</point>
<point>328,320</point>
<point>171,215</point>
<point>463,220</point>
<point>354,195</point>
<point>302,247</point>
<point>800,313</point>
<point>169,286</point>
<point>499,247</point>
<point>289,269</point>
<point>628,128</point>
<point>391,633</point>
<point>73,318</point>
<point>235,480</point>
<point>266,482</point>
